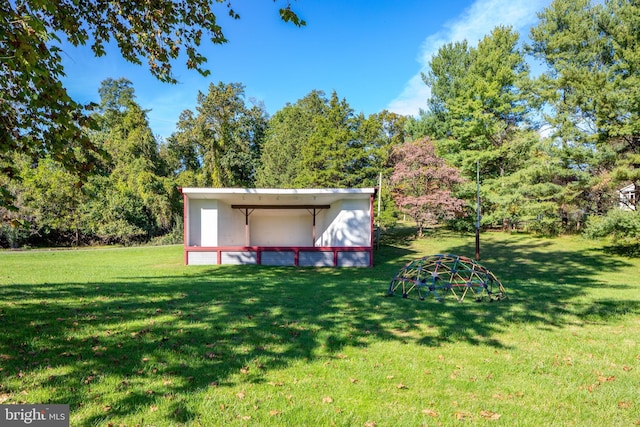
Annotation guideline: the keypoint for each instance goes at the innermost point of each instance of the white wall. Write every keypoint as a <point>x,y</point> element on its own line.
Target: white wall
<point>281,228</point>
<point>347,223</point>
<point>231,228</point>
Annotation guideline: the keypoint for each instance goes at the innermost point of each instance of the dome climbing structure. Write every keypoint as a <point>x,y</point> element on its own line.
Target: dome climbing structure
<point>445,275</point>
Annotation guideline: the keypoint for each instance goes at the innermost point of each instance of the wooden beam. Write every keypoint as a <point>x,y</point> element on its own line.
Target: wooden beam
<point>280,206</point>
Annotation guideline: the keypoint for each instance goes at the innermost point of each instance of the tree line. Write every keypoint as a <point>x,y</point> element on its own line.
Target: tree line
<point>552,147</point>
<point>132,194</point>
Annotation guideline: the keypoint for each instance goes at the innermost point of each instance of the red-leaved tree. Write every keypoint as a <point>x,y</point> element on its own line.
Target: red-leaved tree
<point>423,184</point>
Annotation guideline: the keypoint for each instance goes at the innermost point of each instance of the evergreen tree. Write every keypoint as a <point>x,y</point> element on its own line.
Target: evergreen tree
<point>132,199</point>
<point>591,87</point>
<point>289,130</point>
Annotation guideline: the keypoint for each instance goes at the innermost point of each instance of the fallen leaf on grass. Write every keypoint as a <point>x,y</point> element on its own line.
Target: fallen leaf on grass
<point>489,415</point>
<point>327,399</point>
<point>460,415</point>
<point>430,412</point>
<point>274,412</point>
<point>370,424</point>
<point>353,380</point>
<point>401,386</point>
<point>153,408</point>
<point>592,387</point>
<point>240,395</point>
<point>625,405</point>
<point>244,370</point>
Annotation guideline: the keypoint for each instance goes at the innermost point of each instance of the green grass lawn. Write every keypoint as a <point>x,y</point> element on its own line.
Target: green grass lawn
<point>132,337</point>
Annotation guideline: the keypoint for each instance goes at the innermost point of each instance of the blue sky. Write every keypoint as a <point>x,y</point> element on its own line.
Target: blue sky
<point>371,52</point>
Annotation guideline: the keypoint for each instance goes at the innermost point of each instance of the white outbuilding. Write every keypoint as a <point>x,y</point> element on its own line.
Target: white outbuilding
<point>296,227</point>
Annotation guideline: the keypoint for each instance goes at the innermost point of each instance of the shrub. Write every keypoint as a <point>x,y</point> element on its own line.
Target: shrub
<point>623,227</point>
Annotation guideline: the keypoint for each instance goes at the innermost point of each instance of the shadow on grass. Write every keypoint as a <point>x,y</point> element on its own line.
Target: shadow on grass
<point>626,250</point>
<point>162,337</point>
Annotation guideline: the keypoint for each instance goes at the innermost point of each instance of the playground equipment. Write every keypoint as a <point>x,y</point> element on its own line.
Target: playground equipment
<point>444,274</point>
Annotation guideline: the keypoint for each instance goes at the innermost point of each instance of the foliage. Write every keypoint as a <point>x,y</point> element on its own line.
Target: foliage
<point>621,226</point>
<point>221,144</point>
<point>478,99</point>
<point>483,103</point>
<point>320,142</point>
<point>129,198</point>
<point>51,201</point>
<point>37,116</point>
<point>478,112</point>
<point>591,86</point>
<point>423,185</point>
<point>289,130</point>
<point>132,199</point>
<point>97,173</point>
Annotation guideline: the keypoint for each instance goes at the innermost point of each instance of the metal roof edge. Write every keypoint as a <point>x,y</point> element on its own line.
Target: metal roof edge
<point>276,191</point>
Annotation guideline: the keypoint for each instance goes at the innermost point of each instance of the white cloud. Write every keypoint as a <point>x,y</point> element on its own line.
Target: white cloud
<point>472,25</point>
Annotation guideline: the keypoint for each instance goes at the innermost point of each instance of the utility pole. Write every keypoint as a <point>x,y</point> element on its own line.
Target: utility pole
<point>477,210</point>
<point>379,203</point>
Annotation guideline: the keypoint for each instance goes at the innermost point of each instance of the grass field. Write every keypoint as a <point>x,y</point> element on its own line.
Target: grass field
<point>132,337</point>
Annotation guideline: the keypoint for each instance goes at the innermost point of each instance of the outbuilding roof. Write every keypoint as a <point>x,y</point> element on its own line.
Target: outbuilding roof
<point>275,196</point>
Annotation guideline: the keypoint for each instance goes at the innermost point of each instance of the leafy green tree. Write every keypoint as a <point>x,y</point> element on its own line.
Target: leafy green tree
<point>621,227</point>
<point>288,132</point>
<point>345,149</point>
<point>479,110</point>
<point>379,134</point>
<point>330,147</point>
<point>320,142</point>
<point>446,80</point>
<point>489,109</point>
<point>54,199</point>
<point>132,199</point>
<point>48,202</point>
<point>219,146</point>
<point>37,115</point>
<point>591,87</point>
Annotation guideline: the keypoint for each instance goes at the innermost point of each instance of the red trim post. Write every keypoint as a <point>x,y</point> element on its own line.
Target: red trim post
<point>185,231</point>
<point>371,228</point>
